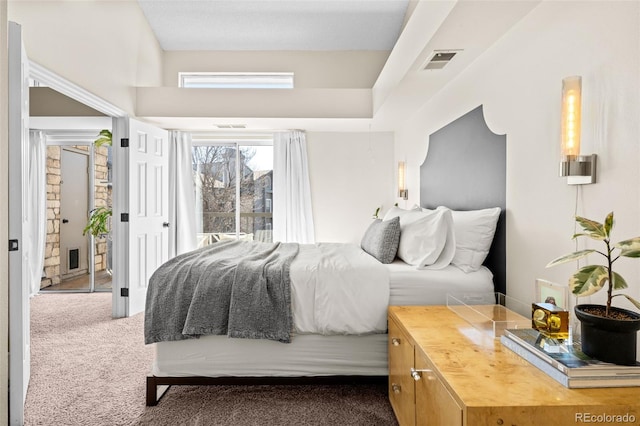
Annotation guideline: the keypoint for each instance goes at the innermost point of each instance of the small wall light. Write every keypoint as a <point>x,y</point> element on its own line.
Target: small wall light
<point>402,181</point>
<point>579,169</point>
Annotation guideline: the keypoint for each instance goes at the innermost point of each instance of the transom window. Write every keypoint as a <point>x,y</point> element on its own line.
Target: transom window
<point>219,80</point>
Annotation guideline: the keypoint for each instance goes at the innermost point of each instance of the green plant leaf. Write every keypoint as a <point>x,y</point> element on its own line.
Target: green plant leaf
<point>570,257</point>
<point>632,300</point>
<point>592,228</point>
<point>581,234</point>
<point>619,282</point>
<point>588,280</point>
<point>608,224</point>
<point>98,222</point>
<point>105,138</point>
<point>629,248</point>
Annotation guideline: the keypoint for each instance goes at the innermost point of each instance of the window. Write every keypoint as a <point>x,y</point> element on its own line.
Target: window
<point>218,80</point>
<point>234,190</point>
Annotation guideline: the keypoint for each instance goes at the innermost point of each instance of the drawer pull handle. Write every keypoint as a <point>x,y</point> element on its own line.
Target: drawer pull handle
<point>396,388</point>
<point>395,341</point>
<point>417,374</point>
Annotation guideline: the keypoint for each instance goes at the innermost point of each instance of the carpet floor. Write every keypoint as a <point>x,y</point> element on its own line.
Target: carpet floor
<point>89,369</point>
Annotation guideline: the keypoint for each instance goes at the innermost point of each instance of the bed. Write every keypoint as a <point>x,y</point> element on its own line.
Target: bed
<point>464,171</point>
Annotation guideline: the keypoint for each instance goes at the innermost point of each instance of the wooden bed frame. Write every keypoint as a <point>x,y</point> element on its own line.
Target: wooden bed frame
<point>465,169</point>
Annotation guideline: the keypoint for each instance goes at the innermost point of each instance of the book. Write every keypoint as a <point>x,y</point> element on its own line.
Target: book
<point>576,382</point>
<point>567,356</point>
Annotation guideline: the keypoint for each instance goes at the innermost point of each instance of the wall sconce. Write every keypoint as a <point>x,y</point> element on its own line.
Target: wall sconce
<point>579,169</point>
<point>402,181</point>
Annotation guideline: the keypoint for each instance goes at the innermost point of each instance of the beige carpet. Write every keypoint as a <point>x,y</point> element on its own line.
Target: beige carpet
<point>88,369</point>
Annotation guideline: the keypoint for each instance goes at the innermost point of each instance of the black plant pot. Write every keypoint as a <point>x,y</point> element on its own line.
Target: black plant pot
<point>608,339</point>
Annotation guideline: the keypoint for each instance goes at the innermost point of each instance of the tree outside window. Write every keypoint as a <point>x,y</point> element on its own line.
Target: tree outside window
<point>232,178</point>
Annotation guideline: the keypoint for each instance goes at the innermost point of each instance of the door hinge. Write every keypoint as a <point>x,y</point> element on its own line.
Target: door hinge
<point>124,142</point>
<point>13,245</point>
<point>124,217</point>
<point>124,292</point>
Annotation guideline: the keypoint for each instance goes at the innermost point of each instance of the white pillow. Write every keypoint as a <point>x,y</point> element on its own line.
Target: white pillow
<point>423,237</point>
<point>474,231</point>
<point>449,250</point>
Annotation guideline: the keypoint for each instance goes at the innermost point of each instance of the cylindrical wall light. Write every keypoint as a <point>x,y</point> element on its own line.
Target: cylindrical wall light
<point>402,181</point>
<point>571,115</point>
<point>579,169</point>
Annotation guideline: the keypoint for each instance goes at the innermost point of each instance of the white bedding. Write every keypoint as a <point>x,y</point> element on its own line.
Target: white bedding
<point>306,355</point>
<point>338,289</point>
<point>316,307</point>
<point>313,354</point>
<point>410,286</point>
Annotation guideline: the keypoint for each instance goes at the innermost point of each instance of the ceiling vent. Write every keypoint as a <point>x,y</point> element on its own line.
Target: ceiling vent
<point>231,126</point>
<point>440,58</point>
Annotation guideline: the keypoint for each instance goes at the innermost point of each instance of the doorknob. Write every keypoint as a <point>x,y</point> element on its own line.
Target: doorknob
<point>65,220</point>
<point>165,224</point>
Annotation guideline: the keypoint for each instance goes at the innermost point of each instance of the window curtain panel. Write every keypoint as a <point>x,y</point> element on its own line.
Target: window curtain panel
<point>36,209</point>
<point>292,211</point>
<point>182,204</point>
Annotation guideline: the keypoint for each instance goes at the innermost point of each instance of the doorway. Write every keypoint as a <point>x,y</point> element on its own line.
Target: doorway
<point>78,181</point>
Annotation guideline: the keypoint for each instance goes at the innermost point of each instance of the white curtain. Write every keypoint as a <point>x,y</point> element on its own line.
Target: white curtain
<point>36,209</point>
<point>292,212</point>
<point>182,204</point>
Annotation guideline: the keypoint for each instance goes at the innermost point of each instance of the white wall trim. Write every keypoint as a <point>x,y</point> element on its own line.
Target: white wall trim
<point>72,90</point>
<point>70,137</point>
<point>62,123</point>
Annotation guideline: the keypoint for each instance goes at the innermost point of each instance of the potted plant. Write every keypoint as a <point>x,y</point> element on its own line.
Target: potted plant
<point>608,333</point>
<point>97,224</point>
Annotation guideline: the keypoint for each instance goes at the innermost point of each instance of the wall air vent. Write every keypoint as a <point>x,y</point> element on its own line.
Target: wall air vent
<point>440,58</point>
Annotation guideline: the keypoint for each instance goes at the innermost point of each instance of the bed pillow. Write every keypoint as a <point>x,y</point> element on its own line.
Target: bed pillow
<point>449,249</point>
<point>474,231</point>
<point>381,239</point>
<point>423,235</point>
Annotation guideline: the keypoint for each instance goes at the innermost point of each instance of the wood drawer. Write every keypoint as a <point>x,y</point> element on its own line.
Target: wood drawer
<point>434,404</point>
<point>401,384</point>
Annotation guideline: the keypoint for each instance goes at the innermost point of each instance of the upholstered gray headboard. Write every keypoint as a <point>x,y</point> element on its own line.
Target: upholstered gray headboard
<point>465,169</point>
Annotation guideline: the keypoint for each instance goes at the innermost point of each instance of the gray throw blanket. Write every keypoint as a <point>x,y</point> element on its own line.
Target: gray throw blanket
<point>237,288</point>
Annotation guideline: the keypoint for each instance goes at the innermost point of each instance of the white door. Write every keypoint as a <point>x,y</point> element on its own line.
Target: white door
<point>147,205</point>
<point>19,330</point>
<point>74,210</point>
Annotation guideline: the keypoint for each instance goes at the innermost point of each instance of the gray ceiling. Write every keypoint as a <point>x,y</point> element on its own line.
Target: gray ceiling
<point>275,24</point>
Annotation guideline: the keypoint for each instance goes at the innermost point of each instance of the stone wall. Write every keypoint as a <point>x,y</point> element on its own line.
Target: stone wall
<point>52,247</point>
<point>102,198</point>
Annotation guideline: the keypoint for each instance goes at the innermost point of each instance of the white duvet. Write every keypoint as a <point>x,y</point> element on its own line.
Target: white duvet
<point>338,289</point>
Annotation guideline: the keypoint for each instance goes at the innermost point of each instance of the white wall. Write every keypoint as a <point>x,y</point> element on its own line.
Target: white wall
<point>519,82</point>
<point>106,47</point>
<point>351,175</point>
<point>4,221</point>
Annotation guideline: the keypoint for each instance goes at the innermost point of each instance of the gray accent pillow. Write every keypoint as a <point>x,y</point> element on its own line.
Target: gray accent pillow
<point>381,239</point>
